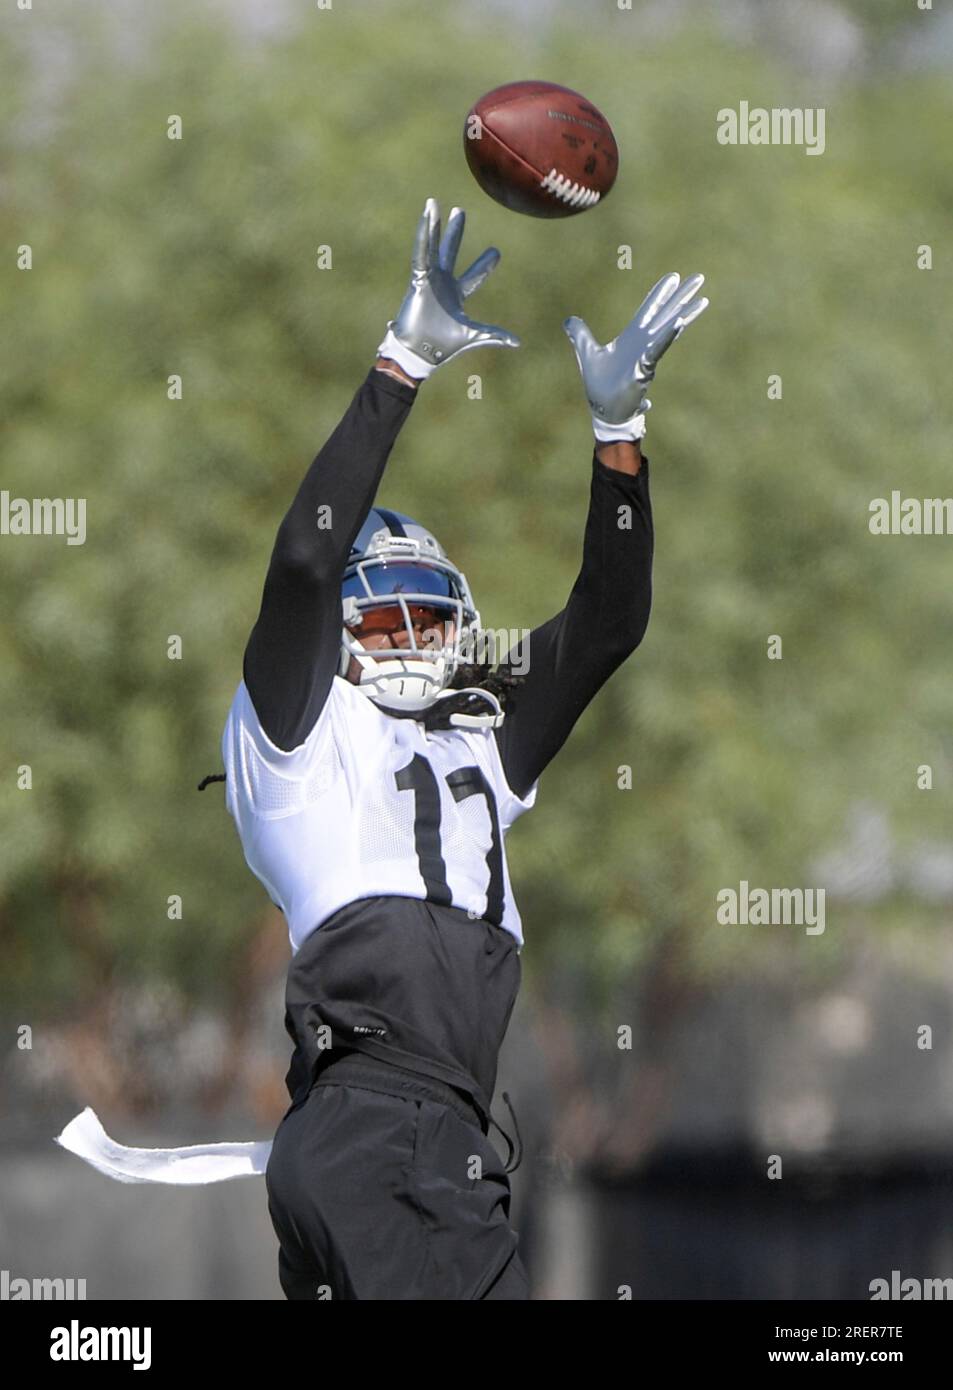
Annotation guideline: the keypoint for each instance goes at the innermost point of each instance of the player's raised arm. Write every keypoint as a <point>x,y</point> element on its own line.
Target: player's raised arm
<point>292,653</point>
<point>294,648</point>
<point>574,654</point>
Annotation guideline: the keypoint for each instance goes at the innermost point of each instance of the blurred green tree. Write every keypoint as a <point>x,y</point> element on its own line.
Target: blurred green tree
<point>199,257</point>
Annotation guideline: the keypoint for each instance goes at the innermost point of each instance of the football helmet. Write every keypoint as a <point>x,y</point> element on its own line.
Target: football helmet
<point>396,563</point>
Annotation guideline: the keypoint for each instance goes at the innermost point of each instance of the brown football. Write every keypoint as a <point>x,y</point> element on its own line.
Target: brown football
<point>540,149</point>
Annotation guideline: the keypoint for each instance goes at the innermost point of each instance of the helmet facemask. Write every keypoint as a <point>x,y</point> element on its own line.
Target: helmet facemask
<point>406,679</point>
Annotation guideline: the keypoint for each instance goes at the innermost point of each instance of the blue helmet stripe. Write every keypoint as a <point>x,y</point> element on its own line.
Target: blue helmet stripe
<point>392,521</point>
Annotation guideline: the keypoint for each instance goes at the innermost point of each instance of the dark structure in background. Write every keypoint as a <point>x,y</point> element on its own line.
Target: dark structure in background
<point>713,1226</point>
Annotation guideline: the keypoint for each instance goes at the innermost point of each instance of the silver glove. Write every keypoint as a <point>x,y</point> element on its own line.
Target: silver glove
<point>617,375</point>
<point>431,324</point>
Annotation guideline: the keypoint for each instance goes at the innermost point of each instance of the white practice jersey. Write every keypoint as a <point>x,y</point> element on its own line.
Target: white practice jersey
<point>371,805</point>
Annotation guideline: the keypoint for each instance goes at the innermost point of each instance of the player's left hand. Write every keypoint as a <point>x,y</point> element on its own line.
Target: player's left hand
<point>431,325</point>
<point>616,376</point>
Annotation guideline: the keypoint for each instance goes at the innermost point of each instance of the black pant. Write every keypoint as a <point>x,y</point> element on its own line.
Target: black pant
<point>393,1195</point>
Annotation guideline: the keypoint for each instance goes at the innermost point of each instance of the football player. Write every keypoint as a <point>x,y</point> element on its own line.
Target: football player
<point>374,769</point>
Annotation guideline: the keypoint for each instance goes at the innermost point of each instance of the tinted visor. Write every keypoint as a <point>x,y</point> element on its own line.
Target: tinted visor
<point>391,577</point>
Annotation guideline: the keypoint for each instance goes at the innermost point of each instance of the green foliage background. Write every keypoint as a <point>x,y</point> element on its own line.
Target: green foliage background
<point>198,257</point>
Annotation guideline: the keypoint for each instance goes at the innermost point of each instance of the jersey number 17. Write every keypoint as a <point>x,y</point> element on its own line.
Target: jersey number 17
<point>418,777</point>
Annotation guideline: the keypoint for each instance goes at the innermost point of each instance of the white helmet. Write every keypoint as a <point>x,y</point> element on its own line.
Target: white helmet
<point>396,560</point>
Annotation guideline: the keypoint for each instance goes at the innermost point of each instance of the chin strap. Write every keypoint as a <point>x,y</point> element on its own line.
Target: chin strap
<point>471,708</point>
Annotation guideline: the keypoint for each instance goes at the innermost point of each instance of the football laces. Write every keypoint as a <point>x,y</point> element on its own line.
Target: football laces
<point>576,195</point>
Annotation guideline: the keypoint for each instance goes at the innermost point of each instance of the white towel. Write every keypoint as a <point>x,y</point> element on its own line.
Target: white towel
<point>198,1163</point>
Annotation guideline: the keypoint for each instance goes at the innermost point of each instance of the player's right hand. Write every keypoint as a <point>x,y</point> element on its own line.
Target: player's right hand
<point>431,326</point>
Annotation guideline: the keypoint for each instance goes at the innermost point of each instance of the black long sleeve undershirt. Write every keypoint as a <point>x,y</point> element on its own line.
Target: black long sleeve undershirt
<point>294,648</point>
<point>572,655</point>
